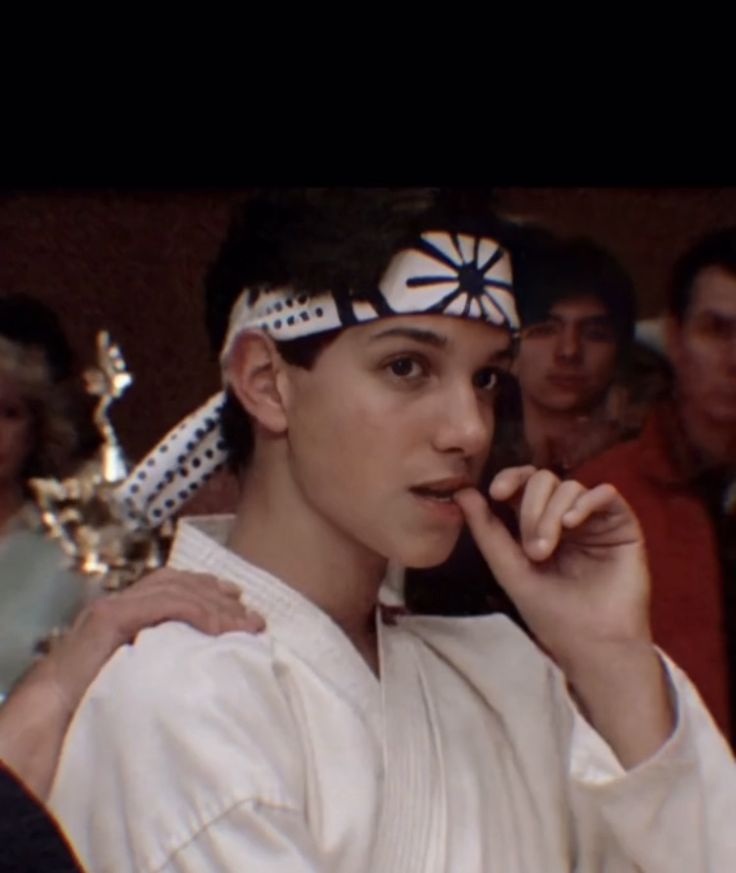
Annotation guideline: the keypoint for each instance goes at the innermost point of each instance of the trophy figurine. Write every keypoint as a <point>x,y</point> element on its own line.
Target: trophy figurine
<point>81,511</point>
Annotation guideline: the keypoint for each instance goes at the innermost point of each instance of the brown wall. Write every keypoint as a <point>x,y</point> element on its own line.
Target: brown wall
<point>646,227</point>
<point>132,262</point>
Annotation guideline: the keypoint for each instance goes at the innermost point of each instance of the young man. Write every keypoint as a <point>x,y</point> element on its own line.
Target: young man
<point>676,476</point>
<point>577,308</point>
<point>364,349</point>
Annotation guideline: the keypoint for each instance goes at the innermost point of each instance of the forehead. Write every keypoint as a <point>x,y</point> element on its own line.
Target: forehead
<point>579,307</point>
<point>452,335</point>
<point>714,290</point>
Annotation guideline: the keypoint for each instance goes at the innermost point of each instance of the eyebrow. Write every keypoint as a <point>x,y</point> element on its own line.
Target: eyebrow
<point>715,314</point>
<point>437,340</point>
<point>585,319</point>
<point>505,353</point>
<point>423,336</point>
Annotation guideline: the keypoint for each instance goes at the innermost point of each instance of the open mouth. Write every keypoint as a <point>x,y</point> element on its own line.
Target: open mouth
<point>443,495</point>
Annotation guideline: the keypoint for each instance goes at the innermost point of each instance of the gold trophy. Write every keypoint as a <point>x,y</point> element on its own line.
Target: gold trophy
<point>81,511</point>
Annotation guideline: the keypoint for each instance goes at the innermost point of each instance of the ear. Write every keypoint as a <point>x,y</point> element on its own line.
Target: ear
<point>257,376</point>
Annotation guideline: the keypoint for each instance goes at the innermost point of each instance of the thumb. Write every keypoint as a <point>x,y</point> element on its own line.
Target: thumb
<point>502,553</point>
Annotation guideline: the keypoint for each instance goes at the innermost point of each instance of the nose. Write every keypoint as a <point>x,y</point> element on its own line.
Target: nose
<point>569,345</point>
<point>465,422</point>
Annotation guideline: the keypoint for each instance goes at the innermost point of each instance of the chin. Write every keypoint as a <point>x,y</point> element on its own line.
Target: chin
<point>575,405</point>
<point>426,555</point>
<point>562,401</point>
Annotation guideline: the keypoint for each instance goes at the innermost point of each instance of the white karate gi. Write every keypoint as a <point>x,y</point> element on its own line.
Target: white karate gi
<point>282,753</point>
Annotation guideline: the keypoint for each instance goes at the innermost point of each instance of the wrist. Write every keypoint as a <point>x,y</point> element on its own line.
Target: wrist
<point>607,659</point>
<point>44,684</point>
<point>624,693</point>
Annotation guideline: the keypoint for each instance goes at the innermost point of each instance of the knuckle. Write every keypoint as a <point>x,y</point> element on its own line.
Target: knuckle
<point>154,577</point>
<point>546,476</point>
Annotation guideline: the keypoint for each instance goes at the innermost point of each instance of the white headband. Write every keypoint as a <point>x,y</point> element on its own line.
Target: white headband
<point>443,274</point>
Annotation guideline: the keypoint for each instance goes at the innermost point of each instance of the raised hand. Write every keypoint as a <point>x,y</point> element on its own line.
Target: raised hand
<point>578,576</point>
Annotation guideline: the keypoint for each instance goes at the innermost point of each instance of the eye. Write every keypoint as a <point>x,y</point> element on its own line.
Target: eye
<point>407,368</point>
<point>601,333</point>
<point>486,379</point>
<point>715,327</point>
<point>540,329</point>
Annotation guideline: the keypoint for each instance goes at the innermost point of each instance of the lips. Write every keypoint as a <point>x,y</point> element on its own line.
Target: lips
<point>566,380</point>
<point>442,490</point>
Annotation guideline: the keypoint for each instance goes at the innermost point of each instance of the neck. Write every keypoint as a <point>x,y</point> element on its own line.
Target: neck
<point>546,430</point>
<point>276,529</point>
<point>11,500</point>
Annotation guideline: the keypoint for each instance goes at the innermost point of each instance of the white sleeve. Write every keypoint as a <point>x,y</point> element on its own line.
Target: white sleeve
<point>672,813</point>
<point>184,757</point>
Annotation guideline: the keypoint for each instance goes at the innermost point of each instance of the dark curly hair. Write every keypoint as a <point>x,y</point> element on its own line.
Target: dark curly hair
<point>28,322</point>
<point>36,355</point>
<point>716,249</point>
<point>549,269</point>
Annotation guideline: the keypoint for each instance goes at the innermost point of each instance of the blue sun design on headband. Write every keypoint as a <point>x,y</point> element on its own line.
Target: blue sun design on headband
<point>469,278</point>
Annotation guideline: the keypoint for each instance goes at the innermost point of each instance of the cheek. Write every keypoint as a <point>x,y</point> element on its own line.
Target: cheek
<point>697,362</point>
<point>531,361</point>
<point>601,360</point>
<point>335,440</point>
<point>701,374</point>
<point>16,441</point>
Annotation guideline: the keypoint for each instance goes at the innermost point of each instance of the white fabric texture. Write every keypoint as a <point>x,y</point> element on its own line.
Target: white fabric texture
<point>282,753</point>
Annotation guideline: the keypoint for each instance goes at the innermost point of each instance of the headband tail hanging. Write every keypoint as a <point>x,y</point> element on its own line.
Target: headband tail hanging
<point>172,472</point>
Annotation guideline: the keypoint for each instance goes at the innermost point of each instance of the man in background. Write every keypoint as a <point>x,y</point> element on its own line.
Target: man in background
<point>577,309</point>
<point>678,476</point>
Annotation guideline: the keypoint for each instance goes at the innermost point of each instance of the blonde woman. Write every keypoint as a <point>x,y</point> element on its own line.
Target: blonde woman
<point>37,438</point>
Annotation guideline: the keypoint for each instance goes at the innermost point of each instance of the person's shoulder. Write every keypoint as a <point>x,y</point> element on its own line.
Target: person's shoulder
<point>177,731</point>
<point>176,668</point>
<point>215,696</point>
<point>200,723</point>
<point>612,465</point>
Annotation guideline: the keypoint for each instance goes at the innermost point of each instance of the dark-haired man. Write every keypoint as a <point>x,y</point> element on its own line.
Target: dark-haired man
<point>679,473</point>
<point>577,309</point>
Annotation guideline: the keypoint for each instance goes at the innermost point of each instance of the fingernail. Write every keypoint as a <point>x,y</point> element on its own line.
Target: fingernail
<point>541,544</point>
